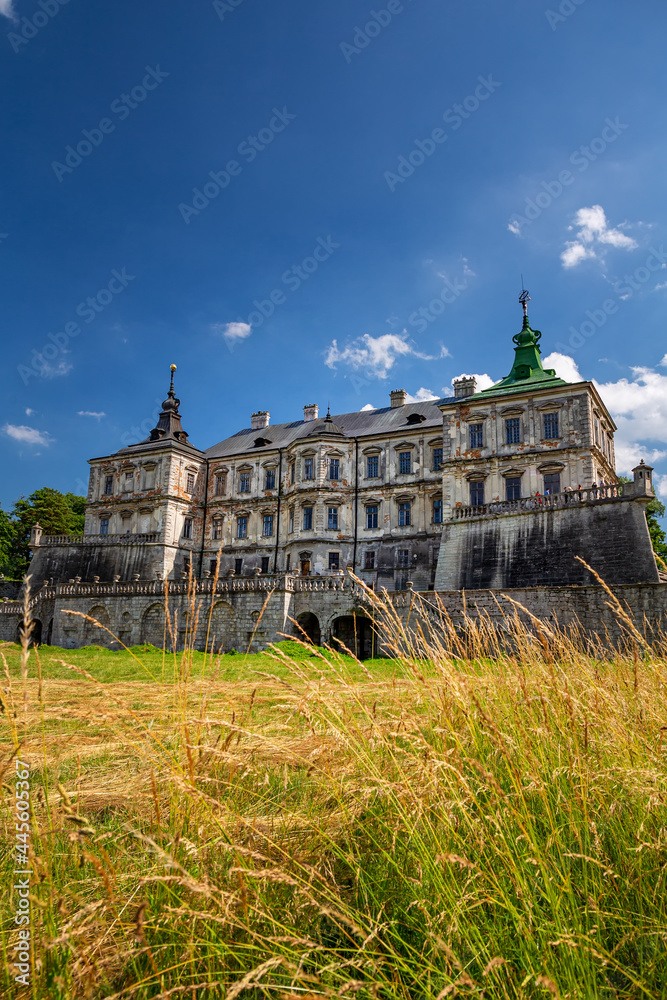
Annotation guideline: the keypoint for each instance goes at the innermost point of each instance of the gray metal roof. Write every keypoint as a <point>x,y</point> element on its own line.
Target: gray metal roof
<point>359,423</point>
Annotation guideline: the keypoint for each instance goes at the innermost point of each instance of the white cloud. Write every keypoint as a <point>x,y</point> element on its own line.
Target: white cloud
<point>90,413</point>
<point>515,228</point>
<point>663,363</point>
<point>27,435</point>
<point>7,8</point>
<point>594,232</point>
<point>566,367</point>
<point>368,406</point>
<point>52,369</point>
<point>422,396</point>
<point>376,355</point>
<point>660,485</point>
<point>29,412</point>
<point>232,332</point>
<point>658,288</point>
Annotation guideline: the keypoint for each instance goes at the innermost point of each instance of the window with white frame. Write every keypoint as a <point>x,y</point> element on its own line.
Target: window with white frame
<point>332,518</point>
<point>104,526</point>
<point>309,468</point>
<point>372,467</point>
<point>244,482</point>
<point>334,468</point>
<point>217,528</point>
<point>242,527</point>
<point>513,430</point>
<point>267,525</point>
<point>270,479</point>
<point>437,459</point>
<point>371,515</point>
<point>404,514</point>
<point>476,435</point>
<point>108,486</point>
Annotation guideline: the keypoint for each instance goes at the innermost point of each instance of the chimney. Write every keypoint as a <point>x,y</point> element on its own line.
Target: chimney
<point>464,386</point>
<point>259,420</point>
<point>398,397</point>
<point>310,412</point>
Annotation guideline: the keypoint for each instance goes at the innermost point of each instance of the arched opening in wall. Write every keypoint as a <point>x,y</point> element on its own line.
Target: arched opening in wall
<point>221,628</point>
<point>33,631</point>
<point>93,635</point>
<point>311,626</point>
<point>153,627</point>
<point>355,631</point>
<point>49,633</point>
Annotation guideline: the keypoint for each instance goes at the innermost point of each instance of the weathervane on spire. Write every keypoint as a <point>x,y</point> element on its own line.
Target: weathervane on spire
<point>172,369</point>
<point>524,298</point>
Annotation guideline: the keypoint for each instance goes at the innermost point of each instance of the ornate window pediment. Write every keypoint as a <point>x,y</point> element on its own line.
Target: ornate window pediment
<point>476,475</point>
<point>372,450</point>
<point>550,406</point>
<point>512,473</point>
<point>405,446</point>
<point>551,467</point>
<point>512,411</point>
<point>474,418</point>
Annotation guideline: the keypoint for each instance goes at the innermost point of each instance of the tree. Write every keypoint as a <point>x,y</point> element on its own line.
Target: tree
<point>654,510</point>
<point>57,513</point>
<point>6,541</point>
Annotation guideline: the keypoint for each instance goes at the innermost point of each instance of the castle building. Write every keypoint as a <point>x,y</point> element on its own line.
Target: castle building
<point>499,488</point>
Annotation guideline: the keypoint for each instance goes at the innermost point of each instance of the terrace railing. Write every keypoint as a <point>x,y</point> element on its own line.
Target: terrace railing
<point>547,501</point>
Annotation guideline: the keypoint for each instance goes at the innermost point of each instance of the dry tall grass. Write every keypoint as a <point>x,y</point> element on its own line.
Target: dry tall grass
<point>489,821</point>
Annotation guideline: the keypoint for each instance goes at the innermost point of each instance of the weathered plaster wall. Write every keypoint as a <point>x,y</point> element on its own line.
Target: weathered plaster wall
<point>534,548</point>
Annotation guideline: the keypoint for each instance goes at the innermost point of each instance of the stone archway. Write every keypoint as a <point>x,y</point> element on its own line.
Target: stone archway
<point>153,626</point>
<point>221,627</point>
<point>34,632</point>
<point>355,632</point>
<point>93,635</point>
<point>308,623</point>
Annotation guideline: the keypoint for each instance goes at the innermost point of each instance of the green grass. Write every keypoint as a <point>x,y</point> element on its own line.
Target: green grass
<point>437,825</point>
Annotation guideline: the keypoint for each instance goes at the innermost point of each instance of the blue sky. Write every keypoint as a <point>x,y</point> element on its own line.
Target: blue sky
<point>303,203</point>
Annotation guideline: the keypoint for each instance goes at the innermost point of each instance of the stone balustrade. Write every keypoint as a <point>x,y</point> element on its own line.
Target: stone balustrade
<point>553,501</point>
<point>127,539</point>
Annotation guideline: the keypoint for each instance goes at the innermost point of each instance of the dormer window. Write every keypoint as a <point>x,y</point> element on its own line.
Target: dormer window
<point>416,418</point>
<point>261,442</point>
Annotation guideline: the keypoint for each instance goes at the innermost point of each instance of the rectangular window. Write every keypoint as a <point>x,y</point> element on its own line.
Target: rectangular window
<point>552,482</point>
<point>212,566</point>
<point>551,426</point>
<point>267,526</point>
<point>238,566</point>
<point>129,480</point>
<point>108,486</point>
<point>372,466</point>
<point>292,473</point>
<point>220,483</point>
<point>476,432</point>
<point>437,511</point>
<point>334,561</point>
<point>401,581</point>
<point>332,518</point>
<point>187,527</point>
<point>288,563</point>
<point>190,483</point>
<point>265,564</point>
<point>242,527</point>
<point>217,528</point>
<point>244,482</point>
<point>334,468</point>
<point>437,459</point>
<point>270,480</point>
<point>404,462</point>
<point>513,430</point>
<point>104,526</point>
<point>372,516</point>
<point>308,468</point>
<point>307,518</point>
<point>477,493</point>
<point>290,521</point>
<point>404,514</point>
<point>403,558</point>
<point>369,559</point>
<point>513,488</point>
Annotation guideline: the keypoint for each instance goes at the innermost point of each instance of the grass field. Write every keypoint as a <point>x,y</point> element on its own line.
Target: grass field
<point>455,821</point>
